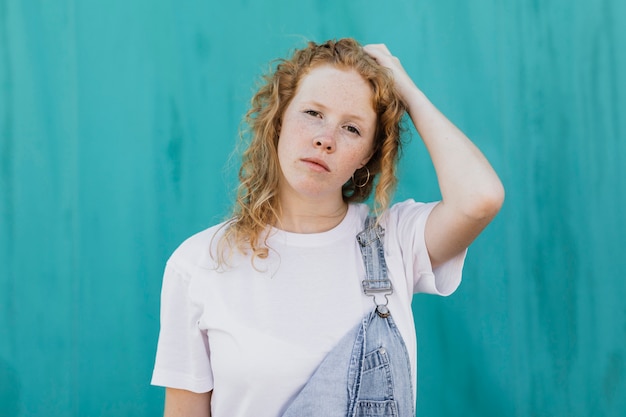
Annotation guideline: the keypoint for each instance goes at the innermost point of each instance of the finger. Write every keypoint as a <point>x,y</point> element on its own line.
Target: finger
<point>379,49</point>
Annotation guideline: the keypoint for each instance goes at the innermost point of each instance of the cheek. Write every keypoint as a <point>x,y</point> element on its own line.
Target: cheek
<point>286,148</point>
<point>355,160</point>
<point>365,151</point>
<point>281,150</point>
<point>289,133</point>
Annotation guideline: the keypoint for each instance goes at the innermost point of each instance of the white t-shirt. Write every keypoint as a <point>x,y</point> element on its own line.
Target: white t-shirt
<point>255,336</point>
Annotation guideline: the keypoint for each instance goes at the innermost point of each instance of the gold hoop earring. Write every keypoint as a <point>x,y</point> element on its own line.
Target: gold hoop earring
<point>366,179</point>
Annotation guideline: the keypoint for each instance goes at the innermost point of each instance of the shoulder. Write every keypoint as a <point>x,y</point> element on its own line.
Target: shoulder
<point>400,215</point>
<point>199,250</point>
<point>358,212</point>
<point>405,213</point>
<point>410,206</point>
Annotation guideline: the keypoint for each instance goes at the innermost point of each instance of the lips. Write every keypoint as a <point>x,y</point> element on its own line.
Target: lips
<point>316,164</point>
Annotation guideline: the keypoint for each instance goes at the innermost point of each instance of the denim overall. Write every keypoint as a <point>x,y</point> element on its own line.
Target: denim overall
<point>377,380</point>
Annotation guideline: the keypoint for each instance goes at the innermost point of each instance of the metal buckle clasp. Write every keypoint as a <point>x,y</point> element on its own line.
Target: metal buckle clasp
<point>363,238</point>
<point>374,287</point>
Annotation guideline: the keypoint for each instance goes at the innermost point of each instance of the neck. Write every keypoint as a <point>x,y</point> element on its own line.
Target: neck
<point>315,217</point>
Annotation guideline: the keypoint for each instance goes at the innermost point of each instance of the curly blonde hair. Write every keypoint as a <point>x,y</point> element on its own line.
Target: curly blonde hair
<point>256,204</point>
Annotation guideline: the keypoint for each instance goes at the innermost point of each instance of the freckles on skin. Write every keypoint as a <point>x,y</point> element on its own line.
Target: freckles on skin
<point>329,123</point>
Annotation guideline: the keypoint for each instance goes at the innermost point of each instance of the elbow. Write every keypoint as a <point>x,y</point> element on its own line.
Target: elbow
<point>485,204</point>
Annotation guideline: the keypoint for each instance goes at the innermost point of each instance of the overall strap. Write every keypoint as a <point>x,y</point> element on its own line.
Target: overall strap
<point>373,253</point>
<point>378,377</point>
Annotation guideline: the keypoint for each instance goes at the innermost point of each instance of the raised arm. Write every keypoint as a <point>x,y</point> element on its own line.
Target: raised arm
<point>471,191</point>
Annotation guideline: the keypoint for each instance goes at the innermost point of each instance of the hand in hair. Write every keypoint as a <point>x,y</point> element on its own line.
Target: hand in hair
<point>382,55</point>
<point>471,191</point>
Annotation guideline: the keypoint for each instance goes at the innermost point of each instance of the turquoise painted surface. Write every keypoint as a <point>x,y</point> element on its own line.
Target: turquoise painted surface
<point>117,120</point>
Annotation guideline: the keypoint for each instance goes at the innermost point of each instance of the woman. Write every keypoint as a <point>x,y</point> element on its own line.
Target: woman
<point>251,307</point>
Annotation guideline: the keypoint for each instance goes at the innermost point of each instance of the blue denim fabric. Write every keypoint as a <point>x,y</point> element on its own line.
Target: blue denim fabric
<point>368,373</point>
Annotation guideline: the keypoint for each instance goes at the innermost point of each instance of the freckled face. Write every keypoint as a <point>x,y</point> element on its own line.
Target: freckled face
<point>327,133</point>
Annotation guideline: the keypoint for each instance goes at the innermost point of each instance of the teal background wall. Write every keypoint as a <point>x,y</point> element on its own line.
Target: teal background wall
<point>117,120</point>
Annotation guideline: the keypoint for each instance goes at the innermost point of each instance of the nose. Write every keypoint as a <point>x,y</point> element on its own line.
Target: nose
<point>325,141</point>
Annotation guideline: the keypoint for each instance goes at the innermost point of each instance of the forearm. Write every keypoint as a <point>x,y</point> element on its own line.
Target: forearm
<point>467,181</point>
<point>182,403</point>
<point>471,192</point>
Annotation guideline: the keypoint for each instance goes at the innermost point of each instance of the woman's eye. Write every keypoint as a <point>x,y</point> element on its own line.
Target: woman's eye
<point>353,129</point>
<point>312,113</point>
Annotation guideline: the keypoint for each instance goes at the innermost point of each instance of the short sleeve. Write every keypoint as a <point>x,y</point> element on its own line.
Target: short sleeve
<point>408,220</point>
<point>182,359</point>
